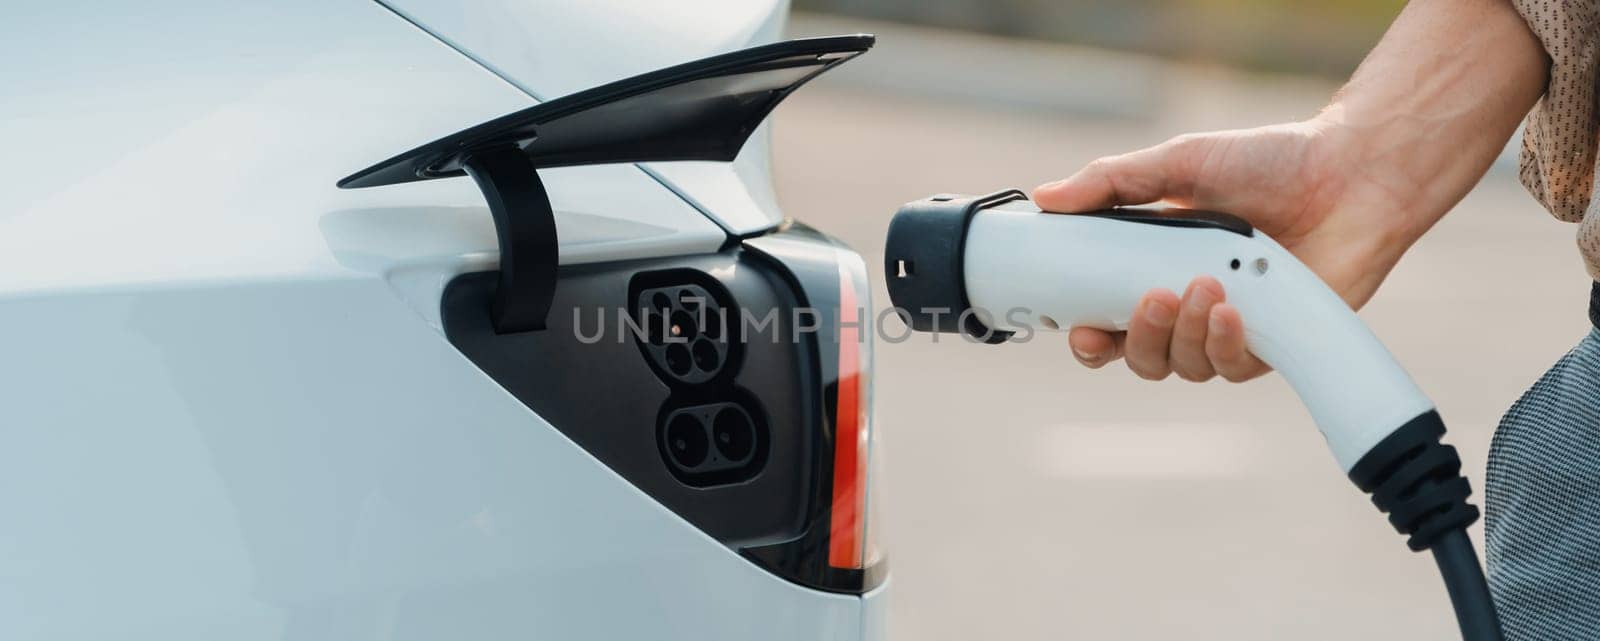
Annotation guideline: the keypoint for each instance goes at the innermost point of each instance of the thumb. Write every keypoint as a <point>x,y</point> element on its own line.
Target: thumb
<point>1143,176</point>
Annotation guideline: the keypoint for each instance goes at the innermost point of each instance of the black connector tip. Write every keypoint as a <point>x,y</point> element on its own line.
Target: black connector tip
<point>923,262</point>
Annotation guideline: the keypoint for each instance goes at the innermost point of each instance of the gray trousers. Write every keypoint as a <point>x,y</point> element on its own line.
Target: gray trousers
<point>1543,504</point>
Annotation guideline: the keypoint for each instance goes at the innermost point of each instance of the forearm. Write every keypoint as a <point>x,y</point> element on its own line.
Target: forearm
<point>1435,101</point>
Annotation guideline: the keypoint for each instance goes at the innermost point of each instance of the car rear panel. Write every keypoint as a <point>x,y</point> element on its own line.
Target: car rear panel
<point>232,407</point>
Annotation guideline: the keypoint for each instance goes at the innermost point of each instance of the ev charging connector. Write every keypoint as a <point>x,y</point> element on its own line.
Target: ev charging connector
<point>987,266</point>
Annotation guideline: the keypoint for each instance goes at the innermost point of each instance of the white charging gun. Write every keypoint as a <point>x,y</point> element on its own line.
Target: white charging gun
<point>989,266</point>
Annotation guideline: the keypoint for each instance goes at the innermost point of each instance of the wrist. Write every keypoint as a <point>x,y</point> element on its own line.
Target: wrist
<point>1431,107</point>
<point>1379,209</point>
<point>1413,167</point>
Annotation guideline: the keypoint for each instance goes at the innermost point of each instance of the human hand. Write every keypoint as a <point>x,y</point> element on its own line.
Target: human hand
<point>1347,192</point>
<point>1308,185</point>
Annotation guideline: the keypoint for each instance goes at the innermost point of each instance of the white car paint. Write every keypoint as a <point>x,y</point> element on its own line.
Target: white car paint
<point>212,153</point>
<point>227,408</point>
<point>306,460</point>
<point>529,43</point>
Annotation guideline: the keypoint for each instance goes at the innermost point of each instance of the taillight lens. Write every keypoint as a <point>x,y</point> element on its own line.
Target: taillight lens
<point>838,550</point>
<point>849,545</point>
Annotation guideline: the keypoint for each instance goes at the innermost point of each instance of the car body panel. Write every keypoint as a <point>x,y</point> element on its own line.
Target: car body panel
<point>228,408</point>
<point>529,44</point>
<point>306,460</point>
<point>875,612</point>
<point>212,155</point>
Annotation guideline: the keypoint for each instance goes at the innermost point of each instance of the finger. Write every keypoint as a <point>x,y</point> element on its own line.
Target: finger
<point>1094,348</point>
<point>1225,346</point>
<point>1188,352</point>
<point>1150,335</point>
<point>1143,176</point>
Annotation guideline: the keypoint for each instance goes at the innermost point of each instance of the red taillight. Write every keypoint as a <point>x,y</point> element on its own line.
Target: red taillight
<point>847,540</point>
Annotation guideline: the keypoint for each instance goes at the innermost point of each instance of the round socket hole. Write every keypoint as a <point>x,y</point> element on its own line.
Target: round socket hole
<point>714,321</point>
<point>678,359</point>
<point>684,326</point>
<point>661,301</point>
<point>686,441</point>
<point>691,300</point>
<point>734,433</point>
<point>705,355</point>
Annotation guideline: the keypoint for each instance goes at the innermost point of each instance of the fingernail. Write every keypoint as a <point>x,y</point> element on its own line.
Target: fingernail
<point>1082,356</point>
<point>1201,300</point>
<point>1158,314</point>
<point>1216,326</point>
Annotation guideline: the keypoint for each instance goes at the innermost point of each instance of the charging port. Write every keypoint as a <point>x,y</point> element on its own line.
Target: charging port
<point>686,329</point>
<point>714,443</point>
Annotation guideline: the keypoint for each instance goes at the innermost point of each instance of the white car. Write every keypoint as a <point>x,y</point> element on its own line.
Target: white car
<point>562,370</point>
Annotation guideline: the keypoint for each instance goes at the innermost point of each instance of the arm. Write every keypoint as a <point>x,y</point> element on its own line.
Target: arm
<point>1347,191</point>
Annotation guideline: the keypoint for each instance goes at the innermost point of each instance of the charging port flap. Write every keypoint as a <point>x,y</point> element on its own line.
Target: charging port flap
<point>701,110</point>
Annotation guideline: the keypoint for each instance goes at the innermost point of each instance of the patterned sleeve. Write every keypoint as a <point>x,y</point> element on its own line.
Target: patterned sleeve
<point>1558,142</point>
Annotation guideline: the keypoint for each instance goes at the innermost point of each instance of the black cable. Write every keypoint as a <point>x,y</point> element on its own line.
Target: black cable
<point>1469,592</point>
<point>1417,480</point>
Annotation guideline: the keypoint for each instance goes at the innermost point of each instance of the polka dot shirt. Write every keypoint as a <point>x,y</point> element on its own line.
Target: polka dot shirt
<point>1559,140</point>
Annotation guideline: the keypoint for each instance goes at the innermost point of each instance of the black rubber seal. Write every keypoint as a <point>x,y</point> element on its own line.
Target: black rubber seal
<point>924,264</point>
<point>1417,480</point>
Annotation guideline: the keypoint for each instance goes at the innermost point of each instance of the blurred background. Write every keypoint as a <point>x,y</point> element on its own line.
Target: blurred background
<point>1327,37</point>
<point>1029,498</point>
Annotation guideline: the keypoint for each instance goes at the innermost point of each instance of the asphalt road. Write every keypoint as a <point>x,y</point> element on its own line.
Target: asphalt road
<point>1029,498</point>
